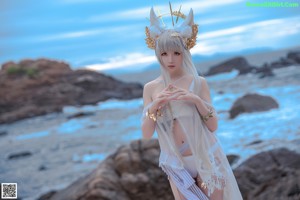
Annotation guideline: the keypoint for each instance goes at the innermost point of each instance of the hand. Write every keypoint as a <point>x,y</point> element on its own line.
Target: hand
<point>162,98</point>
<point>178,93</point>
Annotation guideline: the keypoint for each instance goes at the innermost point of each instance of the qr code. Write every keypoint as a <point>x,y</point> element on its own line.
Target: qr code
<point>9,190</point>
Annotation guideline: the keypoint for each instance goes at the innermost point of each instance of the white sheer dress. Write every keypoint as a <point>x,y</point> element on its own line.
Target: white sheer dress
<point>210,161</point>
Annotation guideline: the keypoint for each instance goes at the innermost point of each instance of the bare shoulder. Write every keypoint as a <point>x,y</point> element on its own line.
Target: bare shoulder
<point>150,87</point>
<point>152,84</point>
<point>202,79</point>
<point>205,93</point>
<point>203,82</point>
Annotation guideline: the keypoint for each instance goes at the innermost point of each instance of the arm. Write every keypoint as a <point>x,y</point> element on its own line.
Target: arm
<point>203,109</point>
<point>202,102</point>
<point>148,125</point>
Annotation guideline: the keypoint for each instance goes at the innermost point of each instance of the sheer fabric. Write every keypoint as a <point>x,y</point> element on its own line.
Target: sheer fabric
<point>211,162</point>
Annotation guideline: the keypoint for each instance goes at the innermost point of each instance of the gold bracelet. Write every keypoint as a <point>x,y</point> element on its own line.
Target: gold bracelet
<point>158,113</point>
<point>154,116</point>
<point>151,115</point>
<point>208,115</point>
<point>202,185</point>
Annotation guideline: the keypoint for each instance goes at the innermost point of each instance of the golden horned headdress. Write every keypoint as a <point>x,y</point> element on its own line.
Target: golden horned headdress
<point>187,30</point>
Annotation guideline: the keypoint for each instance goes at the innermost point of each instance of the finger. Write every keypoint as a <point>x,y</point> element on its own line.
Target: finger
<point>175,96</point>
<point>180,95</point>
<point>178,92</point>
<point>165,94</point>
<point>178,89</point>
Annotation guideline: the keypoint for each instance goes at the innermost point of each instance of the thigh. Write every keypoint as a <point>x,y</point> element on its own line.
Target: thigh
<point>216,195</point>
<point>176,193</point>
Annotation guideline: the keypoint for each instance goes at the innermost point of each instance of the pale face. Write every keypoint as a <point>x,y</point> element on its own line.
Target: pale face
<point>172,60</point>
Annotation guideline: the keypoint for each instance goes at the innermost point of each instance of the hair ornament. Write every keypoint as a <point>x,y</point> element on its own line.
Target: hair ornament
<point>187,30</point>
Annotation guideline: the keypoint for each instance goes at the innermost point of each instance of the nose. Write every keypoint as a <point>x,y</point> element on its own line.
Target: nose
<point>170,58</point>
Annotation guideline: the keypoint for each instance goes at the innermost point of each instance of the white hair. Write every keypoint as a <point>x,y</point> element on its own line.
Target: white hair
<point>167,42</point>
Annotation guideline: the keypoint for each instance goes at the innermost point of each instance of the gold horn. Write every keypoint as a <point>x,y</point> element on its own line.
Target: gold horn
<point>191,42</point>
<point>149,40</point>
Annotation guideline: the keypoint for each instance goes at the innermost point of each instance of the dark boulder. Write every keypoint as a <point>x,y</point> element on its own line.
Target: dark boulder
<point>252,103</point>
<point>273,175</point>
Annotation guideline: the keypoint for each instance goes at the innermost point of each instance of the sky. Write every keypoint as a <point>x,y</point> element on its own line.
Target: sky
<point>101,35</point>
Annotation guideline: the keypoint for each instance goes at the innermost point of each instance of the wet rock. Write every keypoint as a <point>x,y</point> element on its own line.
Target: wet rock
<point>130,173</point>
<point>238,63</point>
<point>287,61</point>
<point>272,175</point>
<point>233,158</point>
<point>47,196</point>
<point>3,133</point>
<point>252,103</point>
<point>295,56</point>
<point>80,114</point>
<point>255,142</point>
<point>42,168</point>
<point>19,155</point>
<point>241,64</point>
<point>264,71</point>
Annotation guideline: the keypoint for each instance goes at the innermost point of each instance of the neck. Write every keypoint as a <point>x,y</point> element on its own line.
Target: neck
<point>176,76</point>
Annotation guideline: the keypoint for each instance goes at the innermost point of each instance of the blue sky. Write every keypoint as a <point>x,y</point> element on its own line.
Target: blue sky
<point>102,34</point>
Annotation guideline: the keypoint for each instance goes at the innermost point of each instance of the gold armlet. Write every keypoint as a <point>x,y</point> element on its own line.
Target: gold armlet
<point>208,115</point>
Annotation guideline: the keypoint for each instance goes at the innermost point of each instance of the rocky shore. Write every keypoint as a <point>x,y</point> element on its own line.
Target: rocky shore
<point>132,173</point>
<point>242,65</point>
<point>63,147</point>
<point>37,87</point>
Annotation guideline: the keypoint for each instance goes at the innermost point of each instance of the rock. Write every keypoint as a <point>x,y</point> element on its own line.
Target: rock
<point>131,173</point>
<point>264,71</point>
<point>3,133</point>
<point>47,196</point>
<point>19,155</point>
<point>295,56</point>
<point>276,64</point>
<point>7,65</point>
<point>255,142</point>
<point>37,87</point>
<point>287,62</point>
<point>241,64</point>
<point>252,103</point>
<point>232,159</point>
<point>80,114</point>
<point>42,168</point>
<point>272,175</point>
<point>238,63</point>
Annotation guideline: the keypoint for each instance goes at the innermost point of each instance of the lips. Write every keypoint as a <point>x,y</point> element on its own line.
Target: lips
<point>171,66</point>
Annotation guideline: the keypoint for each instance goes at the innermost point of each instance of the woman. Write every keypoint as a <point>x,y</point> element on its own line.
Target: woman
<point>178,106</point>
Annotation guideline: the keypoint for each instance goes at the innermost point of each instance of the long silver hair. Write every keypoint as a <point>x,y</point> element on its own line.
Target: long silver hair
<point>168,42</point>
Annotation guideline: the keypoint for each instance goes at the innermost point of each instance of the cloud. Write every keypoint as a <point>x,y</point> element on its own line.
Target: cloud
<point>263,33</point>
<point>141,13</point>
<point>251,35</point>
<point>79,1</point>
<point>68,35</point>
<point>223,19</point>
<point>203,6</point>
<point>129,60</point>
<point>85,33</point>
